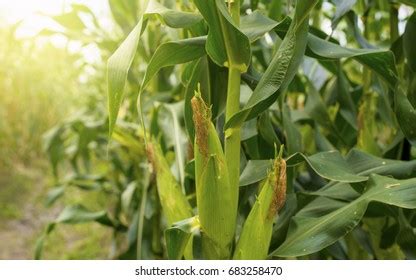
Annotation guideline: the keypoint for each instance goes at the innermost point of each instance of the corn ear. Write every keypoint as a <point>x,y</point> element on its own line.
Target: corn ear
<point>256,234</point>
<point>175,206</point>
<point>216,200</point>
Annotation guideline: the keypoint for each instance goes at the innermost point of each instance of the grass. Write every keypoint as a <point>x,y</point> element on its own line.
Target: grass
<point>12,187</point>
<point>37,90</point>
<point>23,216</point>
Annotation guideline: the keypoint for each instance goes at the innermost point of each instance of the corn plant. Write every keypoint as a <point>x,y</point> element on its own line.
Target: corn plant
<point>266,137</point>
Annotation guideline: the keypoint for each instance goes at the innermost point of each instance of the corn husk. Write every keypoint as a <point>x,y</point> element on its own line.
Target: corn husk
<point>175,206</point>
<point>256,234</point>
<point>216,200</point>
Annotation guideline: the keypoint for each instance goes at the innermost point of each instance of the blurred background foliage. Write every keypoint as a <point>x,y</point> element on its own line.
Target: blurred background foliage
<point>56,158</point>
<point>44,80</point>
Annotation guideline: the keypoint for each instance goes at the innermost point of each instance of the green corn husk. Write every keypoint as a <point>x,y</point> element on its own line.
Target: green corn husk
<point>175,206</point>
<point>216,200</point>
<point>256,235</point>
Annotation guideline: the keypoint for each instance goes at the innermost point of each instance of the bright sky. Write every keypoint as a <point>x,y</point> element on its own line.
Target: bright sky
<point>12,11</point>
<point>29,11</point>
<point>32,12</point>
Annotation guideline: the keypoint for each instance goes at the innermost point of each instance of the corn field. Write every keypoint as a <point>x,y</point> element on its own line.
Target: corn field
<point>252,129</point>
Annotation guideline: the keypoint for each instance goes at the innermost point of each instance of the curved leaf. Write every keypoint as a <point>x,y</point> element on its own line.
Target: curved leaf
<point>329,165</point>
<point>255,171</point>
<point>174,203</point>
<point>172,18</point>
<point>408,2</point>
<point>282,68</point>
<point>310,233</point>
<point>173,53</point>
<point>406,116</point>
<point>409,42</point>
<point>255,25</point>
<point>120,62</point>
<point>178,236</point>
<point>364,164</point>
<point>74,214</point>
<point>380,61</point>
<point>342,7</point>
<point>170,117</point>
<point>226,44</point>
<point>117,69</point>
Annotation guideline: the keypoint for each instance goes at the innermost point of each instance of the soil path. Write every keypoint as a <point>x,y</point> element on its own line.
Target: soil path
<point>22,214</point>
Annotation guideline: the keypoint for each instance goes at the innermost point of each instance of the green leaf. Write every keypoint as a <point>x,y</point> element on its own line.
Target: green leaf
<point>172,18</point>
<point>75,214</point>
<point>406,116</point>
<point>409,42</point>
<point>197,69</point>
<point>54,195</point>
<point>170,117</point>
<point>174,203</point>
<point>347,107</point>
<point>124,12</point>
<point>53,144</point>
<point>317,109</point>
<point>41,241</point>
<point>226,44</point>
<point>320,207</point>
<point>311,233</point>
<point>255,25</point>
<point>178,236</point>
<point>365,164</point>
<point>282,68</point>
<point>70,21</point>
<point>276,9</point>
<point>127,196</point>
<point>120,62</point>
<point>329,165</point>
<point>408,2</point>
<point>173,53</point>
<point>255,171</point>
<point>338,190</point>
<point>292,134</point>
<point>117,69</point>
<point>380,61</point>
<point>342,7</point>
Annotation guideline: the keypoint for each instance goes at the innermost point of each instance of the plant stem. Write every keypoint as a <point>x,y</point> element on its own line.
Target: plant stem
<point>232,136</point>
<point>141,223</point>
<point>394,23</point>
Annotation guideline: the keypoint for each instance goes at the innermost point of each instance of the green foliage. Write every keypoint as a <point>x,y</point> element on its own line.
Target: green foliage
<point>23,118</point>
<point>182,168</point>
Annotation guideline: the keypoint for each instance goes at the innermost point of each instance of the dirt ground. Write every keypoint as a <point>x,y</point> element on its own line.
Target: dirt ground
<point>23,217</point>
<point>21,214</point>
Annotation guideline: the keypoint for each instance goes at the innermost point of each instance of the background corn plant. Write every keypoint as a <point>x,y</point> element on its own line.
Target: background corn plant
<point>263,129</point>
